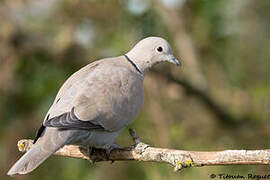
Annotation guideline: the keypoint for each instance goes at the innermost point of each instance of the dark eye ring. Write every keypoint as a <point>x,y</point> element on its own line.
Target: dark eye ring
<point>159,49</point>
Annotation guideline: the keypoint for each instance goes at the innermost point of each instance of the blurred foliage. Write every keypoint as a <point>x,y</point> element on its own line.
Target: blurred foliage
<point>43,42</point>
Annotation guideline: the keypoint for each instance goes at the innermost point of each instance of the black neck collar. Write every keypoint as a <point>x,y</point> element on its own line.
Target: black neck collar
<point>133,64</point>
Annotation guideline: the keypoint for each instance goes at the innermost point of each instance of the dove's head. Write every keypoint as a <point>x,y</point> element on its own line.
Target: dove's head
<point>150,51</point>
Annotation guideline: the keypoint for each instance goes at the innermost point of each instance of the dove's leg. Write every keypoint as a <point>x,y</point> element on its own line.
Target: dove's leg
<point>90,152</point>
<point>139,146</point>
<point>109,148</point>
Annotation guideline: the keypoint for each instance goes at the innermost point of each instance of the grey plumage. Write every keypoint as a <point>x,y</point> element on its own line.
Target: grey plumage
<point>96,103</point>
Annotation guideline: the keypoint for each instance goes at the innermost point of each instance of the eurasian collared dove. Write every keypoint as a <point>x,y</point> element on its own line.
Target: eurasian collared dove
<point>96,103</point>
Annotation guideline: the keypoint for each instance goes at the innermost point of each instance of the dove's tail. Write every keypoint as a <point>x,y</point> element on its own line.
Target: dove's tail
<point>44,148</point>
<point>30,160</point>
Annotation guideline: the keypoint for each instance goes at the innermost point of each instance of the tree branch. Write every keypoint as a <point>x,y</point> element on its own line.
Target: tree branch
<point>177,158</point>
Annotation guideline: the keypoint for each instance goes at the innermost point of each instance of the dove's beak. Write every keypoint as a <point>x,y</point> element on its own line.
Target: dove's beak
<point>174,61</point>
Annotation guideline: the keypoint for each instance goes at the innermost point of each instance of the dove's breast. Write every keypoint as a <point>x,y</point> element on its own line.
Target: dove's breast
<point>122,100</point>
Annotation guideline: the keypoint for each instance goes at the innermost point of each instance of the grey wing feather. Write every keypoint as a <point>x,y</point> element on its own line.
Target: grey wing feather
<point>70,121</point>
<point>65,95</point>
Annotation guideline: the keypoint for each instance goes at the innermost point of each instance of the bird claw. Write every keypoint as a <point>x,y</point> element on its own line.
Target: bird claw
<point>91,154</point>
<point>109,149</point>
<point>95,156</point>
<point>139,146</point>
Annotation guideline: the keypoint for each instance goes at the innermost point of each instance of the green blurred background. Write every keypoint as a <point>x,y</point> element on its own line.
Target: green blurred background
<point>219,100</point>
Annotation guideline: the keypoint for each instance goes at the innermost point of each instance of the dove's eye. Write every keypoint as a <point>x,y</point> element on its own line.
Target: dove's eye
<point>159,49</point>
